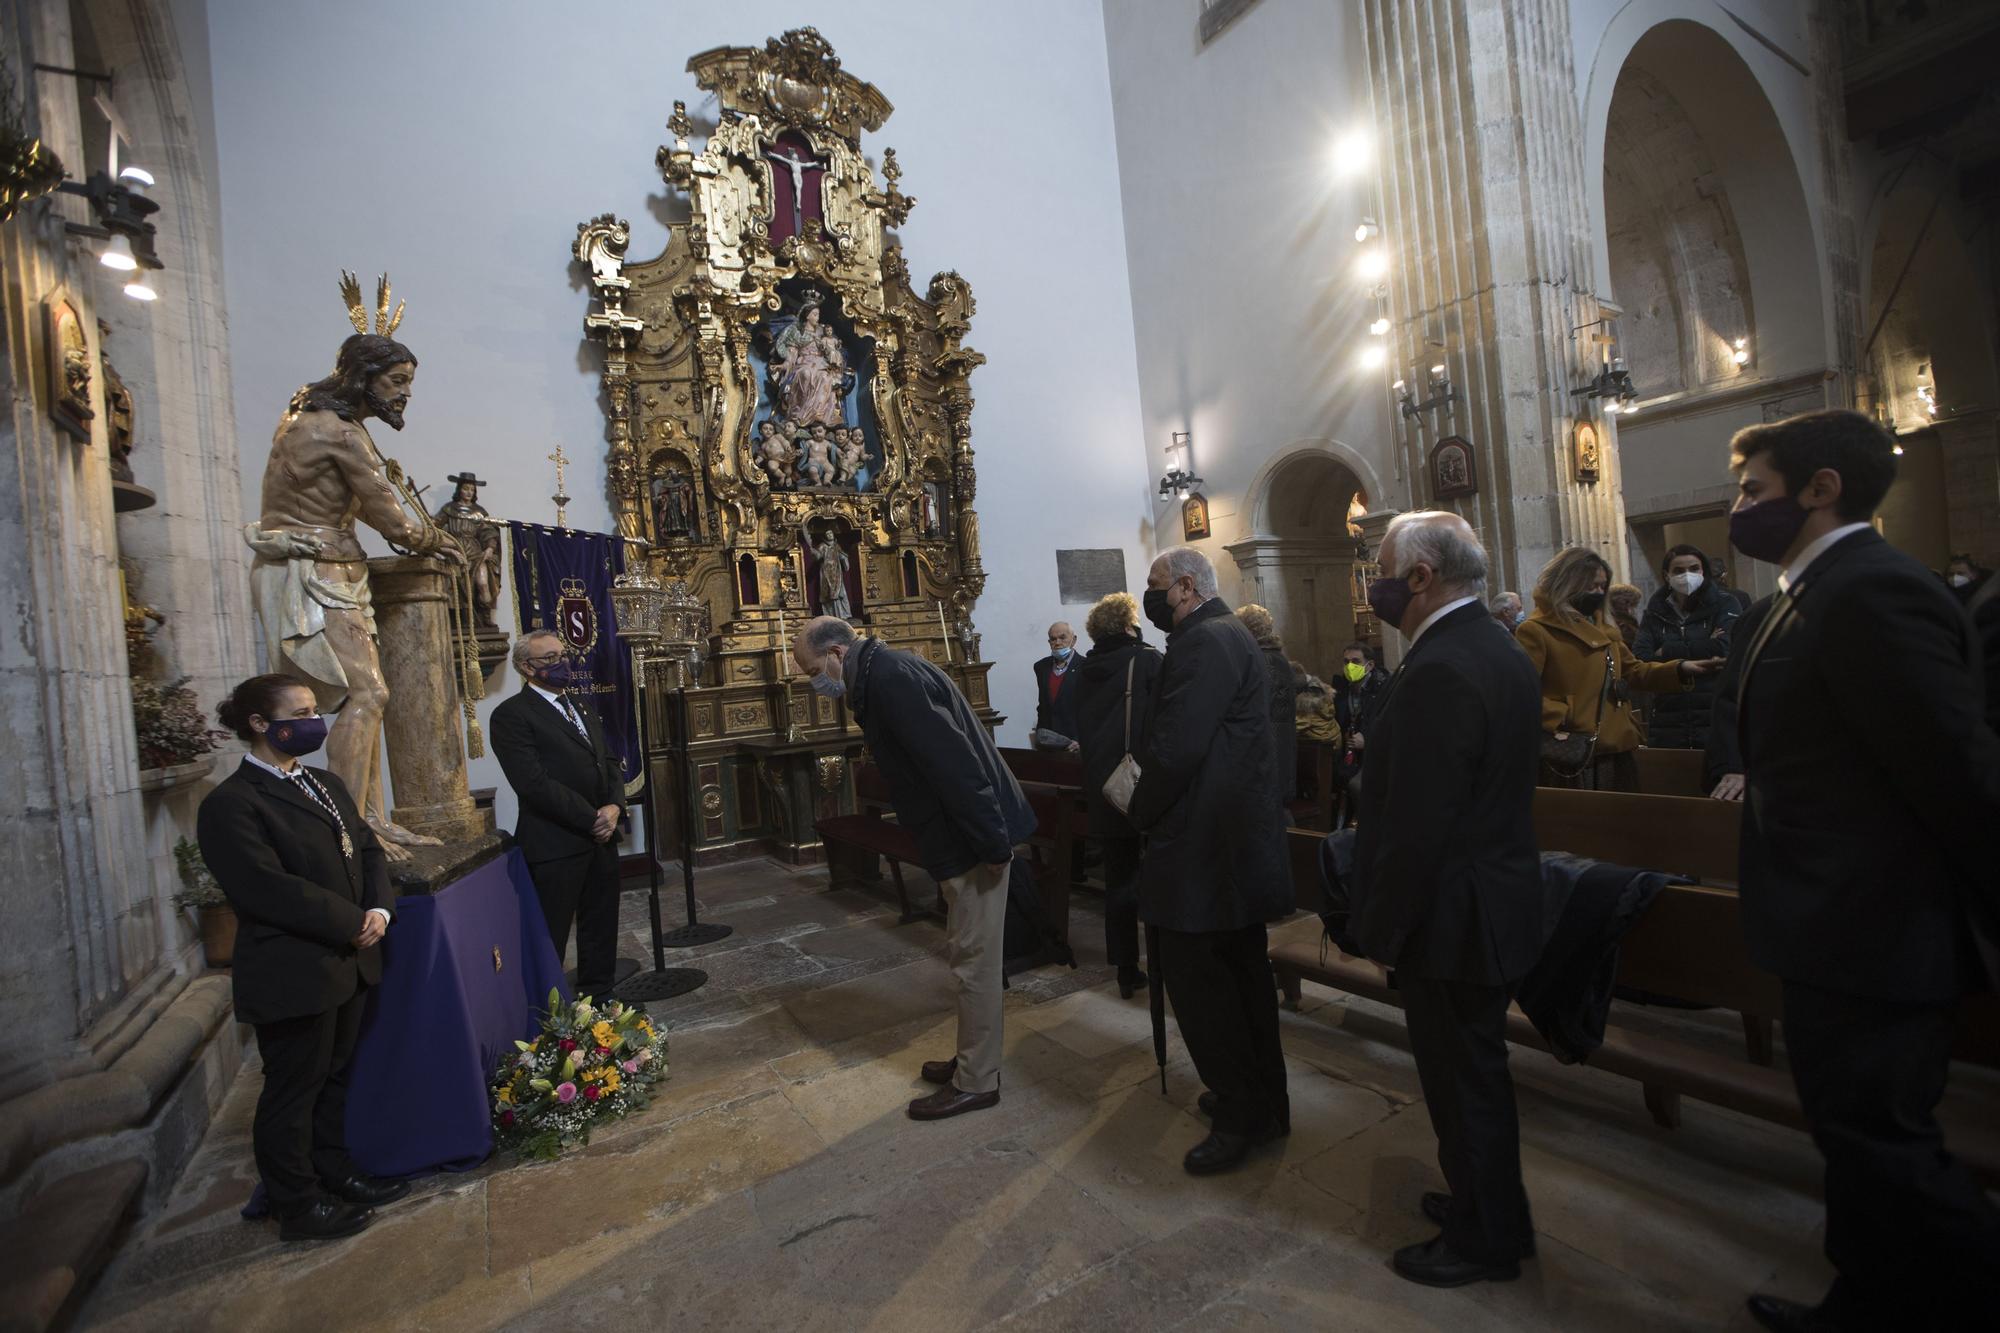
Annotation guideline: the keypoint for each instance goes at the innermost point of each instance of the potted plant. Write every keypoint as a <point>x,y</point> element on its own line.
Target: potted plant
<point>200,891</point>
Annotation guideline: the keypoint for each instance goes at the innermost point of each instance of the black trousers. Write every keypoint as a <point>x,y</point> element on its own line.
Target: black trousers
<point>583,889</point>
<point>1913,1236</point>
<point>1227,1007</point>
<point>1458,1033</point>
<point>1121,901</point>
<point>299,1136</point>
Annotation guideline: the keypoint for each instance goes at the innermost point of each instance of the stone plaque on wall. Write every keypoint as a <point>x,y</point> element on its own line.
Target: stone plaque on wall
<point>1086,574</point>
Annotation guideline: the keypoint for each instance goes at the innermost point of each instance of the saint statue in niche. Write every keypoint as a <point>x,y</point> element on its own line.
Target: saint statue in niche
<point>831,576</point>
<point>931,509</point>
<point>673,505</point>
<point>808,369</point>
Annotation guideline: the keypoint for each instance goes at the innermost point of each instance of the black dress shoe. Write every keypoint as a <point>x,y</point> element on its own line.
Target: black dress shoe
<point>367,1190</point>
<point>327,1219</point>
<point>1222,1150</point>
<point>1436,1264</point>
<point>1775,1312</point>
<point>1130,981</point>
<point>1437,1207</point>
<point>949,1101</point>
<point>939,1071</point>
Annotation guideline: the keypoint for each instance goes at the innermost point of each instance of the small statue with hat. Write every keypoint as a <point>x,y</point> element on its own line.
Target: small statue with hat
<point>478,535</point>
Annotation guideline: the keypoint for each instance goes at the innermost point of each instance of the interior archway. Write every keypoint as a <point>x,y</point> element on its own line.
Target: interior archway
<point>1300,563</point>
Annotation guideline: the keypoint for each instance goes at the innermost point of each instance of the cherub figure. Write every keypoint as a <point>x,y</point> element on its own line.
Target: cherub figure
<point>853,453</point>
<point>774,451</point>
<point>816,457</point>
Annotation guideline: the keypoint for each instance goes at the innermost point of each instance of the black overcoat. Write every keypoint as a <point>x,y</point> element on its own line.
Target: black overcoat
<point>1207,798</point>
<point>1100,716</point>
<point>1870,836</point>
<point>299,902</point>
<point>1449,881</point>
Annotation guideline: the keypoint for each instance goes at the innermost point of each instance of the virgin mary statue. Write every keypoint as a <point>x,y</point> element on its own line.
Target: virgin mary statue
<point>808,369</point>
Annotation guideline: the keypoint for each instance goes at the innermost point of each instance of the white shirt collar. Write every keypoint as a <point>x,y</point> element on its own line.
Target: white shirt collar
<point>1438,615</point>
<point>276,772</point>
<point>550,695</point>
<point>1796,570</point>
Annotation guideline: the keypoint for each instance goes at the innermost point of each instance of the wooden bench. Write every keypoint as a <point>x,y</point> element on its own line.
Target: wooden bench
<point>1689,944</point>
<point>1672,772</point>
<point>869,835</point>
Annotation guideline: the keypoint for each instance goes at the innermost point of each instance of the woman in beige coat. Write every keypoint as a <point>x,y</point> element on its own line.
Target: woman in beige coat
<point>1588,674</point>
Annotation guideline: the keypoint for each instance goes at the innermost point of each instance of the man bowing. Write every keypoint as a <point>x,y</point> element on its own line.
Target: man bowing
<point>571,787</point>
<point>1448,890</point>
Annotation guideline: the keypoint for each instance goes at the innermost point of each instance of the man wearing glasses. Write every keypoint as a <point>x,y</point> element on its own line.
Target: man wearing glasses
<point>571,789</point>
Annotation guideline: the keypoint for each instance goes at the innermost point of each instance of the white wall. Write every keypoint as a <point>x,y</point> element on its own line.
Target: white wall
<point>1240,238</point>
<point>457,145</point>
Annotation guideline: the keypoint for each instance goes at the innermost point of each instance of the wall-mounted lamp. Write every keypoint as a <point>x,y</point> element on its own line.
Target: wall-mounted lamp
<point>1380,327</point>
<point>1367,231</point>
<point>1374,356</point>
<point>1438,394</point>
<point>1372,264</point>
<point>1926,392</point>
<point>122,210</point>
<point>1741,356</point>
<point>1350,153</point>
<point>1613,387</point>
<point>1180,481</point>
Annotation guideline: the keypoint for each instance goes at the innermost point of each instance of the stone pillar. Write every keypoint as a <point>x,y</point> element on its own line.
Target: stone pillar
<point>422,725</point>
<point>1481,169</point>
<point>1971,444</point>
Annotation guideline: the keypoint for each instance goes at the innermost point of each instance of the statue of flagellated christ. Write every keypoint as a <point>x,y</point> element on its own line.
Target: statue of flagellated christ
<point>310,577</point>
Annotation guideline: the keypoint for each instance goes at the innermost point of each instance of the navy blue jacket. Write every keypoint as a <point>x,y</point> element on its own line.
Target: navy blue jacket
<point>950,787</point>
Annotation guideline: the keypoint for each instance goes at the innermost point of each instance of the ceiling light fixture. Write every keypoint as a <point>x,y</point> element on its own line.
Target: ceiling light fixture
<point>1367,231</point>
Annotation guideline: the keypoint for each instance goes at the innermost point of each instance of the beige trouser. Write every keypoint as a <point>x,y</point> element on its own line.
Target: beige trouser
<point>974,942</point>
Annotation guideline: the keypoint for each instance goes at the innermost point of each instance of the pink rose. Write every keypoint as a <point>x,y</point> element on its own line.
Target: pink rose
<point>603,1050</point>
<point>629,1066</point>
<point>592,1093</point>
<point>565,1092</point>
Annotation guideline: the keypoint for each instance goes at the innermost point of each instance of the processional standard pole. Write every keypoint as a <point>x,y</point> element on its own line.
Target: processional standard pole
<point>636,601</point>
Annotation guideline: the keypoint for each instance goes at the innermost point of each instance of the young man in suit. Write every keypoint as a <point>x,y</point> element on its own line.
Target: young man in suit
<point>1449,886</point>
<point>572,793</point>
<point>1868,866</point>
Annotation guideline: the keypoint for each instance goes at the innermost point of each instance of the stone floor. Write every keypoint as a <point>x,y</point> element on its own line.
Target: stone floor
<point>777,1183</point>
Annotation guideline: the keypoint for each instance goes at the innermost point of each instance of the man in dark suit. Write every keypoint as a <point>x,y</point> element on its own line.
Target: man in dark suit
<point>958,800</point>
<point>1868,866</point>
<point>1214,872</point>
<point>310,886</point>
<point>1449,887</point>
<point>572,793</point>
<point>1055,697</point>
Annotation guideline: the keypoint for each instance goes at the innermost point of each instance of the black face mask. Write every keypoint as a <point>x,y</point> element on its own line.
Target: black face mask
<point>1157,610</point>
<point>1587,604</point>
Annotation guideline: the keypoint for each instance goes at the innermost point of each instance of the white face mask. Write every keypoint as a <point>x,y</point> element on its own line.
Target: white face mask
<point>1688,583</point>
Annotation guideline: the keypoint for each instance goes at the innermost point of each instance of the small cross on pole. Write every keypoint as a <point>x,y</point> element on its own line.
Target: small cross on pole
<point>560,497</point>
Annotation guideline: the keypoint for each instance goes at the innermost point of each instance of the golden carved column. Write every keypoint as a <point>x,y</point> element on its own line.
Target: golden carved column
<point>426,756</point>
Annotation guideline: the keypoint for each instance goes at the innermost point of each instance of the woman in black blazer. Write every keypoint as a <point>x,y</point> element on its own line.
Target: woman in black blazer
<point>310,886</point>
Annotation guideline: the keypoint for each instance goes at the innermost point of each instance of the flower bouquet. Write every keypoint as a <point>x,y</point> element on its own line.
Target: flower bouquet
<point>589,1064</point>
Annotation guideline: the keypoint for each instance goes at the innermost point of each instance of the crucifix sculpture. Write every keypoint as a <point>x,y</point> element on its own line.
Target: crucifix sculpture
<point>799,167</point>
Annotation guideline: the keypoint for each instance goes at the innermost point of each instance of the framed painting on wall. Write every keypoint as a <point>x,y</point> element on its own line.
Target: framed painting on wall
<point>1194,518</point>
<point>1454,471</point>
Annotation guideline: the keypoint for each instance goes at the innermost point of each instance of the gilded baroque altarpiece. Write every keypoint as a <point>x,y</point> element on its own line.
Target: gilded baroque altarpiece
<point>789,424</point>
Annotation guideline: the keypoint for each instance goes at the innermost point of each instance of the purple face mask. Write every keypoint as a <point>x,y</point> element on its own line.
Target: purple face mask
<point>557,675</point>
<point>297,736</point>
<point>1767,529</point>
<point>1390,599</point>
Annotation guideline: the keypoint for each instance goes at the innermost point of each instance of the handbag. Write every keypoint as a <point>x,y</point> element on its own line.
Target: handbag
<point>1124,779</point>
<point>1569,753</point>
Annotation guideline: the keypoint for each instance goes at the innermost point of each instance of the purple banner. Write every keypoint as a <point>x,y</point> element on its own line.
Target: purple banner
<point>562,583</point>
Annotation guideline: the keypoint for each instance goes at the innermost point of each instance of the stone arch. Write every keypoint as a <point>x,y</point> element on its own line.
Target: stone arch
<point>1691,53</point>
<point>1299,559</point>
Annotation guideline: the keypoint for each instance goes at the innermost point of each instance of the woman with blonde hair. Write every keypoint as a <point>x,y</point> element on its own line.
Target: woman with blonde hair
<point>1107,729</point>
<point>1589,732</point>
